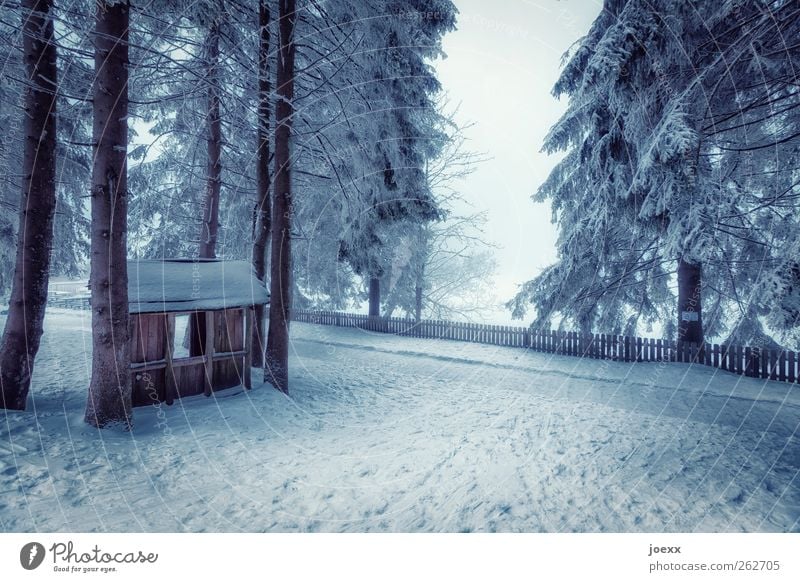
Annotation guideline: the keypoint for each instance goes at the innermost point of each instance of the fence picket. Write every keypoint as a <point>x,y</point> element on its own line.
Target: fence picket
<point>751,362</point>
<point>774,364</point>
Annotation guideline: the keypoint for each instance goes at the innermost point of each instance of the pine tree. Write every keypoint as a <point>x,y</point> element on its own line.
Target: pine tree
<point>23,330</point>
<point>276,364</point>
<point>262,221</point>
<point>210,223</point>
<point>109,401</point>
<point>656,173</point>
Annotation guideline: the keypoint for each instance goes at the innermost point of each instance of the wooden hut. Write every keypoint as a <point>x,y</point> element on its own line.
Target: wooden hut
<point>218,297</point>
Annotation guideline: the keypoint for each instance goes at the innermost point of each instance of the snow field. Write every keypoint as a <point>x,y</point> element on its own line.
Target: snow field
<point>382,433</point>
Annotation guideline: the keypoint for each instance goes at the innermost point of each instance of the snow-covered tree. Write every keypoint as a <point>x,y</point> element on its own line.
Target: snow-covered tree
<point>276,359</point>
<point>109,400</point>
<point>677,160</point>
<point>24,325</point>
<point>368,137</point>
<point>69,245</point>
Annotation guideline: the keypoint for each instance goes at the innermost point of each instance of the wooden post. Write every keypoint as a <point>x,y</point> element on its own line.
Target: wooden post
<point>208,352</point>
<point>248,354</point>
<point>169,346</point>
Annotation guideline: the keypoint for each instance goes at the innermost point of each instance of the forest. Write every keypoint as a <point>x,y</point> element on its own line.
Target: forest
<point>311,140</point>
<point>314,140</point>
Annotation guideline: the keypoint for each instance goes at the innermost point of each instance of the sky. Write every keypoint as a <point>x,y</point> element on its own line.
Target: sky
<point>501,65</point>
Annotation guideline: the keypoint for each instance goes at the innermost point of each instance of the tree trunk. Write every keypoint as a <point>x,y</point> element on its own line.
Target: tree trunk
<point>276,369</point>
<point>210,226</point>
<point>690,314</point>
<point>374,297</point>
<point>263,215</point>
<point>109,399</point>
<point>23,330</point>
<point>418,301</point>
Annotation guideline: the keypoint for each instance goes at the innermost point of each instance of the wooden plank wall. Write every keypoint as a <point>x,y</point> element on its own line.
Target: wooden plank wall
<point>150,344</point>
<point>229,337</point>
<point>782,366</point>
<point>147,345</point>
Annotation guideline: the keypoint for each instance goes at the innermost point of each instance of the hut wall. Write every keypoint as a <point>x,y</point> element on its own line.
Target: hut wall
<point>229,337</point>
<point>147,345</point>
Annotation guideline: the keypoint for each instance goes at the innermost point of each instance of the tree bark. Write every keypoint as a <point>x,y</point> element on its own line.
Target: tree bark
<point>374,297</point>
<point>276,368</point>
<point>210,226</point>
<point>418,301</point>
<point>109,400</point>
<point>690,313</point>
<point>263,210</point>
<point>23,329</point>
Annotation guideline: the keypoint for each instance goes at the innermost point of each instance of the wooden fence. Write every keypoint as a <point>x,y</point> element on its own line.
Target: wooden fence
<point>68,302</point>
<point>748,361</point>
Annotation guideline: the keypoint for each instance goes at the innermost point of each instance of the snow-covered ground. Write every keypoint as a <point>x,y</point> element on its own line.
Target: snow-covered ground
<point>399,434</point>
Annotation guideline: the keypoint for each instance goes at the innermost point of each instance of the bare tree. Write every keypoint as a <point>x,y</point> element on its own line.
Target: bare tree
<point>23,330</point>
<point>276,366</point>
<point>450,263</point>
<point>109,400</point>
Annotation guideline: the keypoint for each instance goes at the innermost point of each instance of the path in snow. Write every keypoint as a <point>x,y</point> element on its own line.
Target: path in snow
<point>399,434</point>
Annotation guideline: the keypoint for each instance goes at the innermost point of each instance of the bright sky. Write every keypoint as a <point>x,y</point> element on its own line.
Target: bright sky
<point>501,64</point>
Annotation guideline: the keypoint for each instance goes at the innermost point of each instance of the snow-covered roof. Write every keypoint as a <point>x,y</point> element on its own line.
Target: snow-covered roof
<point>189,284</point>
